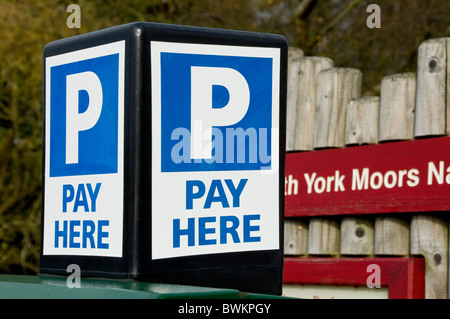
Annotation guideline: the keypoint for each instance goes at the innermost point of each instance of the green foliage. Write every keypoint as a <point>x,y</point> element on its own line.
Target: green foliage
<point>336,29</point>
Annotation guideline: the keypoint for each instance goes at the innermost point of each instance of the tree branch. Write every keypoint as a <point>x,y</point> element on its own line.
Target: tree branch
<point>340,16</point>
<point>302,9</point>
<point>334,22</point>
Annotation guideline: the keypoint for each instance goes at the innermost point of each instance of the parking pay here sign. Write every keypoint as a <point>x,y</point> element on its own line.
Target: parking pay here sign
<point>84,109</point>
<point>215,148</point>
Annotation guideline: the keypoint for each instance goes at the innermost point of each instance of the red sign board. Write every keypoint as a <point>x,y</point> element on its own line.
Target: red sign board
<point>404,277</point>
<point>411,176</point>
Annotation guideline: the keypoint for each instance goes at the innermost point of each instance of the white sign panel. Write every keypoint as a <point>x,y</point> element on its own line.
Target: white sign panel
<point>215,148</point>
<point>334,292</point>
<point>84,138</point>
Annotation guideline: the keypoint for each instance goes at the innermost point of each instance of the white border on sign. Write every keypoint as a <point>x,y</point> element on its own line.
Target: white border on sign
<point>112,197</point>
<point>167,188</point>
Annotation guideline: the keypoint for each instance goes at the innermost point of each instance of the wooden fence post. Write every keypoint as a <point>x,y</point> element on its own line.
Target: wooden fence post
<point>294,54</point>
<point>362,121</point>
<point>357,236</point>
<point>396,123</point>
<point>429,238</point>
<point>291,102</point>
<point>447,120</point>
<point>335,88</point>
<point>429,234</point>
<point>397,102</point>
<point>296,237</point>
<point>432,100</point>
<point>391,236</point>
<point>324,237</point>
<point>306,103</point>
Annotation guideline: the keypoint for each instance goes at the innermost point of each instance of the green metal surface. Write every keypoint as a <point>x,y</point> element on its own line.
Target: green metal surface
<point>54,287</point>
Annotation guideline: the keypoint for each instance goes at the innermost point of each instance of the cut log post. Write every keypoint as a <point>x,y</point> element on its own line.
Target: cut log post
<point>295,237</point>
<point>362,121</point>
<point>391,236</point>
<point>306,100</point>
<point>294,54</point>
<point>324,237</point>
<point>397,102</point>
<point>335,88</point>
<point>433,97</point>
<point>395,123</point>
<point>447,122</point>
<point>429,234</point>
<point>357,236</point>
<point>429,238</point>
<point>291,103</point>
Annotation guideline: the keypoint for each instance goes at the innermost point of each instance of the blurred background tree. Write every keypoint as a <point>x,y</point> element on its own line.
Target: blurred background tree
<point>332,28</point>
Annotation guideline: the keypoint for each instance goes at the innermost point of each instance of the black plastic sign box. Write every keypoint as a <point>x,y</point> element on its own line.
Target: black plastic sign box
<point>164,156</point>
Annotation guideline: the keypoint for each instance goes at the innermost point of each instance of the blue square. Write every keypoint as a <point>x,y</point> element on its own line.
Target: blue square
<point>253,152</point>
<point>97,146</point>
